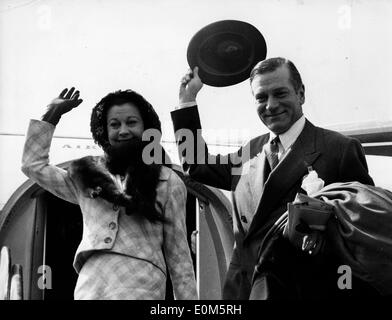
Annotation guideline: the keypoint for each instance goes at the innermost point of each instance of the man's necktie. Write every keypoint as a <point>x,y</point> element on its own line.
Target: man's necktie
<point>272,153</point>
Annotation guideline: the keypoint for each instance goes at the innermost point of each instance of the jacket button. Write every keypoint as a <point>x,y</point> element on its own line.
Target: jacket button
<point>108,240</point>
<point>112,225</point>
<point>243,219</point>
<point>115,207</point>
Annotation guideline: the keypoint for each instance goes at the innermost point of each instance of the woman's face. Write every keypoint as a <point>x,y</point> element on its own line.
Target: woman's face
<point>124,122</point>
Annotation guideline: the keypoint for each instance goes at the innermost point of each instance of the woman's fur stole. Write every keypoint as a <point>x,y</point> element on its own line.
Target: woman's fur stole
<point>91,174</point>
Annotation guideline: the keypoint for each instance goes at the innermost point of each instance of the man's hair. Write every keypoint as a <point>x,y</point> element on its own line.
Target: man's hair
<point>270,65</point>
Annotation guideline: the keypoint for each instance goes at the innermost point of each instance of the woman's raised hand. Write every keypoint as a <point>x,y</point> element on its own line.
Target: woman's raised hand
<point>65,102</point>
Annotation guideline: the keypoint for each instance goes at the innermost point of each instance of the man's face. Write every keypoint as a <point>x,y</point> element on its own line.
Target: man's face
<point>278,104</point>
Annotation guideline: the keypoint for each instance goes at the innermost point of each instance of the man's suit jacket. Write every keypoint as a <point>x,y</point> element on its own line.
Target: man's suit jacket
<point>258,201</point>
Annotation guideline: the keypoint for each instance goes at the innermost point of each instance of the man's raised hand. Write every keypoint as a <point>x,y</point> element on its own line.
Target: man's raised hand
<point>190,86</point>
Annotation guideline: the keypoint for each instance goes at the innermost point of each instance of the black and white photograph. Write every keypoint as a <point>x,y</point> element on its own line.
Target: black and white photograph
<point>212,150</point>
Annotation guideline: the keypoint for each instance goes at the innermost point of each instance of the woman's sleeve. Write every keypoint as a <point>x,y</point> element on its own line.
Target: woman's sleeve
<point>35,162</point>
<point>176,248</point>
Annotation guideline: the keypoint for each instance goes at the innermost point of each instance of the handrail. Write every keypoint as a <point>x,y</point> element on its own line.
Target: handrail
<point>11,277</point>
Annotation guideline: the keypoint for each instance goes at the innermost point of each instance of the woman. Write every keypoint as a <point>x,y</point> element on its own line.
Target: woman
<point>133,213</point>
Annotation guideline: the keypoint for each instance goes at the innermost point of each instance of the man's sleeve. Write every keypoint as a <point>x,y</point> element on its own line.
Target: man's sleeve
<point>213,170</point>
<point>353,166</point>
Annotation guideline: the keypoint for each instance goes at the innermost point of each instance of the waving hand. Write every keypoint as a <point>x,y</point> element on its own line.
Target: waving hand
<point>65,102</point>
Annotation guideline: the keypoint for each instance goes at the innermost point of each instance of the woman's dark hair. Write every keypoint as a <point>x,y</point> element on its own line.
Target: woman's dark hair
<point>144,178</point>
<point>99,114</point>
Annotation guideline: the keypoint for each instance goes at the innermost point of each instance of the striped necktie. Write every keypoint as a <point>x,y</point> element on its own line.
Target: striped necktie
<point>272,151</point>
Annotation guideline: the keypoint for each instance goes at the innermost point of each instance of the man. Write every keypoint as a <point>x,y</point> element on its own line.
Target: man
<point>263,188</point>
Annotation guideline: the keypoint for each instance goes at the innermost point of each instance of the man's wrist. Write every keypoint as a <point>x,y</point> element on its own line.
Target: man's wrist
<point>186,104</point>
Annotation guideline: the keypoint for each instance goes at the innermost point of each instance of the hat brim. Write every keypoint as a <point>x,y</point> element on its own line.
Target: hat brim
<point>226,51</point>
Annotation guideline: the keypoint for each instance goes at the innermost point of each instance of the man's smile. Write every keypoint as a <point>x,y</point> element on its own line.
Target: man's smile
<point>275,114</point>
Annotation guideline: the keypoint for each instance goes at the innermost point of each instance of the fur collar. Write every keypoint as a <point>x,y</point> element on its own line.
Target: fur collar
<point>92,176</point>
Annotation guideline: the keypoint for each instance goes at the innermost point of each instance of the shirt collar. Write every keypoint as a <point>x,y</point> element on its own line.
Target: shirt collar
<point>288,138</point>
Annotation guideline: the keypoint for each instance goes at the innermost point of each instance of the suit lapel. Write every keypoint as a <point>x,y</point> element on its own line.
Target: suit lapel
<point>257,175</point>
<point>283,178</point>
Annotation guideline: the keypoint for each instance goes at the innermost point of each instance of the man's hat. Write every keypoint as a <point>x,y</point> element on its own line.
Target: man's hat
<point>226,51</point>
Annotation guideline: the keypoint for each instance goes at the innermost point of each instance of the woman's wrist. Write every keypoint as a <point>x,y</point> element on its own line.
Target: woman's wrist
<point>51,116</point>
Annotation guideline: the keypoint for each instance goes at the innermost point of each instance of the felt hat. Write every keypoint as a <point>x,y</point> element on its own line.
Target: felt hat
<point>226,51</point>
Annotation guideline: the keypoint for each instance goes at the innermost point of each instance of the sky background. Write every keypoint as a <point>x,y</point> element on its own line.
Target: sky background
<point>342,49</point>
